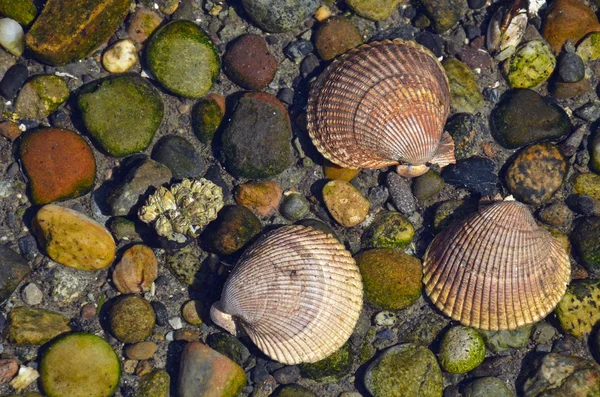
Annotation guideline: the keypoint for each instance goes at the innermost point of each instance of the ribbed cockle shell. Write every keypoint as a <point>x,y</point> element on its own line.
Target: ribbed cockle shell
<point>382,104</point>
<point>297,293</point>
<point>497,269</point>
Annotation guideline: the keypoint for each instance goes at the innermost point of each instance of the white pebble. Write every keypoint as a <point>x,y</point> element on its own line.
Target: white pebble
<point>25,377</point>
<point>176,322</point>
<point>11,36</point>
<point>170,336</point>
<point>32,294</point>
<point>120,57</point>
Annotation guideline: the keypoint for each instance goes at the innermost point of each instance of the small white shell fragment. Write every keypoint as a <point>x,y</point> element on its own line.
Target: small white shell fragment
<point>11,36</point>
<point>25,377</point>
<point>120,57</point>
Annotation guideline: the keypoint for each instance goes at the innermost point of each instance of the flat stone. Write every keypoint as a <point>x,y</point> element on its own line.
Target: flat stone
<point>279,16</point>
<point>29,326</point>
<point>338,34</point>
<point>40,96</point>
<point>345,203</point>
<point>465,95</point>
<point>476,174</point>
<point>180,156</point>
<point>13,269</point>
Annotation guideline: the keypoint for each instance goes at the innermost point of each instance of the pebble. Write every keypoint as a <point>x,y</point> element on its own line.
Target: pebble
<point>391,278</point>
<point>186,264</point>
<point>571,68</point>
<point>191,312</point>
<point>13,80</point>
<point>536,173</point>
<point>587,184</point>
<point>297,50</point>
<point>310,65</point>
<point>155,384</point>
<point>431,41</point>
<point>131,319</point>
<point>249,63</point>
<point>576,311</point>
<point>10,130</point>
<point>22,11</point>
<point>294,391</point>
<point>176,323</point>
<point>29,326</point>
<point>203,371</point>
<point>142,24</point>
<point>32,294</point>
<point>462,349</point>
<point>136,271</point>
<point>120,57</point>
<point>524,117</point>
<point>376,10</point>
<point>594,151</point>
<point>531,65</point>
<point>589,112</point>
<point>334,367</point>
<point>233,229</point>
<point>405,370</point>
<point>345,203</point>
<point>68,285</point>
<point>336,36</point>
<point>333,171</point>
<point>501,341</point>
<point>386,319</point>
<point>122,113</point>
<point>487,387</point>
<point>260,197</point>
<point>427,185</point>
<point>465,96</point>
<point>400,193</point>
<point>229,346</point>
<point>161,313</point>
<point>256,141</point>
<point>388,230</point>
<point>286,95</point>
<point>465,133</point>
<point>287,375</point>
<point>181,49</point>
<point>59,163</point>
<point>476,174</point>
<point>568,19</point>
<point>278,17</point>
<point>141,350</point>
<point>12,36</point>
<point>207,116</point>
<point>476,58</point>
<point>562,90</point>
<point>558,215</point>
<point>88,311</point>
<point>180,156</point>
<point>589,48</point>
<point>8,369</point>
<point>41,96</point>
<point>72,239</point>
<point>586,240</point>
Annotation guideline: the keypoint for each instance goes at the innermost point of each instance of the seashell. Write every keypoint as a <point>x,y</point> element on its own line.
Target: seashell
<point>382,104</point>
<point>507,29</point>
<point>184,209</point>
<point>497,269</point>
<point>297,293</point>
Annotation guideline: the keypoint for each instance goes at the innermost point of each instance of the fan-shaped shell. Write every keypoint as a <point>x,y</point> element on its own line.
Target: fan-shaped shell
<point>497,269</point>
<point>297,293</point>
<point>382,104</point>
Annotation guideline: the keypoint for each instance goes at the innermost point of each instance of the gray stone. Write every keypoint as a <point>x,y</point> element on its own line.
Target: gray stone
<point>279,16</point>
<point>32,294</point>
<point>400,193</point>
<point>180,156</point>
<point>13,269</point>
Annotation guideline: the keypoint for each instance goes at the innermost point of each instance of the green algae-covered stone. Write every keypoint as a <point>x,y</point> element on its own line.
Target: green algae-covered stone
<point>427,185</point>
<point>207,116</point>
<point>531,65</point>
<point>154,384</point>
<point>234,227</point>
<point>445,13</point>
<point>183,59</point>
<point>79,365</point>
<point>278,16</point>
<point>388,230</point>
<point>376,10</point>
<point>67,31</point>
<point>462,350</point>
<point>22,11</point>
<point>586,240</point>
<point>294,391</point>
<point>588,184</point>
<point>131,319</point>
<point>405,370</point>
<point>499,341</point>
<point>488,387</point>
<point>41,96</point>
<point>230,346</point>
<point>464,92</point>
<point>589,48</point>
<point>577,311</point>
<point>391,278</point>
<point>450,211</point>
<point>29,326</point>
<point>334,367</point>
<point>122,113</point>
<point>594,147</point>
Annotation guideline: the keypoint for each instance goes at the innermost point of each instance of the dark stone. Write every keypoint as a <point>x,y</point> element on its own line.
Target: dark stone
<point>286,95</point>
<point>476,174</point>
<point>233,229</point>
<point>28,247</point>
<point>432,41</point>
<point>571,68</point>
<point>287,375</point>
<point>476,4</point>
<point>248,62</point>
<point>298,50</point>
<point>279,16</point>
<point>13,80</point>
<point>160,310</point>
<point>491,94</point>
<point>229,346</point>
<point>475,58</point>
<point>179,155</point>
<point>13,269</point>
<point>400,193</point>
<point>463,130</point>
<point>213,174</point>
<point>586,239</point>
<point>410,12</point>
<point>309,65</point>
<point>445,13</point>
<point>472,31</point>
<point>524,117</point>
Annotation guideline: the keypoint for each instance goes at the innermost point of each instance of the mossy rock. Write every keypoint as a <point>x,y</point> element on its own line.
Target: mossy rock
<point>375,10</point>
<point>22,11</point>
<point>594,147</point>
<point>427,185</point>
<point>388,230</point>
<point>589,48</point>
<point>586,240</point>
<point>30,326</point>
<point>41,96</point>
<point>577,311</point>
<point>391,278</point>
<point>186,264</point>
<point>207,116</point>
<point>294,391</point>
<point>588,184</point>
<point>154,384</point>
<point>235,226</point>
<point>462,350</point>
<point>451,211</point>
<point>183,59</point>
<point>229,346</point>
<point>122,113</point>
<point>499,341</point>
<point>131,319</point>
<point>488,387</point>
<point>79,365</point>
<point>531,65</point>
<point>334,367</point>
<point>464,92</point>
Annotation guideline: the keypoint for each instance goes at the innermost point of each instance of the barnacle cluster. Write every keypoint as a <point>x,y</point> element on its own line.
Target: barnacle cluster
<point>183,209</point>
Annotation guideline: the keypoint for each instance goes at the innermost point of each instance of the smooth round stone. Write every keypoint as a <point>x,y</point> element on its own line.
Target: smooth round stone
<point>294,206</point>
<point>207,116</point>
<point>256,141</point>
<point>79,365</point>
<point>248,62</point>
<point>334,367</point>
<point>487,387</point>
<point>10,130</point>
<point>131,319</point>
<point>333,171</point>
<point>462,350</point>
<point>404,370</point>
<point>141,350</point>
<point>32,294</point>
<point>59,163</point>
<point>261,197</point>
<point>558,215</point>
<point>445,13</point>
<point>191,312</point>
<point>72,239</point>
<point>13,80</point>
<point>180,156</point>
<point>427,185</point>
<point>142,23</point>
<point>568,19</point>
<point>531,65</point>
<point>229,346</point>
<point>536,173</point>
<point>279,16</point>
<point>588,184</point>
<point>41,96</point>
<point>476,174</point>
<point>233,229</point>
<point>571,68</point>
<point>465,133</point>
<point>294,391</point>
<point>465,96</point>
<point>120,57</point>
<point>121,113</point>
<point>388,230</point>
<point>136,271</point>
<point>286,375</point>
<point>391,278</point>
<point>183,59</point>
<point>586,239</point>
<point>386,319</point>
<point>499,341</point>
<point>335,37</point>
<point>11,36</point>
<point>524,117</point>
<point>154,384</point>
<point>345,203</point>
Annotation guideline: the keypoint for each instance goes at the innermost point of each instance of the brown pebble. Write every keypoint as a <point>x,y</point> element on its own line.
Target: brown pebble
<point>140,351</point>
<point>142,23</point>
<point>189,335</point>
<point>136,271</point>
<point>143,368</point>
<point>190,312</point>
<point>129,366</point>
<point>248,62</point>
<point>88,311</point>
<point>8,369</point>
<point>262,198</point>
<point>336,36</point>
<point>10,130</point>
